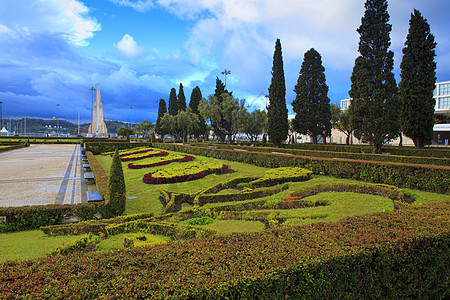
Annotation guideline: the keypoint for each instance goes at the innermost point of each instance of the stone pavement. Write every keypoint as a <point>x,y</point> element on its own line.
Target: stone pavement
<point>42,174</point>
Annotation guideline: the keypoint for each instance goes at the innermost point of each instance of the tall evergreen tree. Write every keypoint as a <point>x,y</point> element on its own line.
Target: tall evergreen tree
<point>222,125</point>
<point>173,102</point>
<point>181,99</point>
<point>196,97</point>
<point>418,73</point>
<point>375,103</point>
<point>116,187</point>
<point>162,109</point>
<point>278,125</point>
<point>311,104</point>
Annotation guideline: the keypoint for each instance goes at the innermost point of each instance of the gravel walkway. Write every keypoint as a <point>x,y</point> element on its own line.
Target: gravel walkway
<point>42,174</point>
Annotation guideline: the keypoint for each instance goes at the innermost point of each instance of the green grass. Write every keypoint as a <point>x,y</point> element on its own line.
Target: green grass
<point>29,244</point>
<point>34,244</point>
<point>234,226</point>
<point>147,194</point>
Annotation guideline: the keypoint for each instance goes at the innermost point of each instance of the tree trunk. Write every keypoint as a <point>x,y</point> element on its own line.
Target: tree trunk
<point>377,148</point>
<point>229,139</point>
<point>400,144</point>
<point>347,140</point>
<point>418,142</point>
<point>324,138</point>
<point>314,139</point>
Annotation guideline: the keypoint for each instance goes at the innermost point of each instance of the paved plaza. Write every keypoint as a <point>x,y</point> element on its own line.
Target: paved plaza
<point>42,174</point>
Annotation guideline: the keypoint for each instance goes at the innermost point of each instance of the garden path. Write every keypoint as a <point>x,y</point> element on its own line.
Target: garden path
<point>42,174</point>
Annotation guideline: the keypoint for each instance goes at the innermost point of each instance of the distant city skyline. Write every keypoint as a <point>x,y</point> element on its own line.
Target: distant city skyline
<point>54,51</point>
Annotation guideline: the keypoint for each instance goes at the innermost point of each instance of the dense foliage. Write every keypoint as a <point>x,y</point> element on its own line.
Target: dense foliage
<point>311,104</point>
<point>422,177</point>
<point>375,105</point>
<point>116,187</point>
<point>186,172</point>
<point>181,103</point>
<point>418,82</point>
<point>377,256</point>
<point>159,161</point>
<point>277,112</point>
<point>162,109</point>
<point>173,103</point>
<point>196,97</point>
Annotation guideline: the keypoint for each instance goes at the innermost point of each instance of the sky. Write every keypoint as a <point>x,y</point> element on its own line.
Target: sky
<point>53,51</point>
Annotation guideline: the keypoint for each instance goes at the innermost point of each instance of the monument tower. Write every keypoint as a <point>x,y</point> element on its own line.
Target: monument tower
<point>98,126</point>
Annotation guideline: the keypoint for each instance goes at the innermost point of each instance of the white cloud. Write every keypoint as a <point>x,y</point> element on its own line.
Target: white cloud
<point>128,47</point>
<point>138,5</point>
<point>69,18</point>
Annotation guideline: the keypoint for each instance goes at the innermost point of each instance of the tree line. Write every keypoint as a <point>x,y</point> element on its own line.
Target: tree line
<point>379,111</point>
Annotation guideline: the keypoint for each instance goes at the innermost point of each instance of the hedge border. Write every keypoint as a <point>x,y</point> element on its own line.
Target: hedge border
<point>422,177</point>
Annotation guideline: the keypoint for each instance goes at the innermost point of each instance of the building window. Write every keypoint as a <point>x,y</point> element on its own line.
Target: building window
<point>444,89</point>
<point>435,92</point>
<point>444,103</point>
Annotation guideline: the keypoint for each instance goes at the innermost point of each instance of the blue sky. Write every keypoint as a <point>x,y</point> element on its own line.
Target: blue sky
<point>53,51</point>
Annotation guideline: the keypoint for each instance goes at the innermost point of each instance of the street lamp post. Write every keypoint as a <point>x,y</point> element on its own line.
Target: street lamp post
<point>131,122</point>
<point>1,115</point>
<point>57,120</point>
<point>225,73</point>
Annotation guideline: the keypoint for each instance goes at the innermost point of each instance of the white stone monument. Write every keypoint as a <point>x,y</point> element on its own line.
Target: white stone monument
<point>98,126</point>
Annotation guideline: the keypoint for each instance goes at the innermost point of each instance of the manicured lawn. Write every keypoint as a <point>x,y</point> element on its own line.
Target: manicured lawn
<point>143,198</point>
<point>29,244</point>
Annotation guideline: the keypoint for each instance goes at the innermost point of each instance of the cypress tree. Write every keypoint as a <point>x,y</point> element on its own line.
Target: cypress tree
<point>375,105</point>
<point>277,112</point>
<point>196,97</point>
<point>219,91</point>
<point>181,104</point>
<point>116,187</point>
<point>173,103</point>
<point>311,104</point>
<point>418,73</point>
<point>162,109</point>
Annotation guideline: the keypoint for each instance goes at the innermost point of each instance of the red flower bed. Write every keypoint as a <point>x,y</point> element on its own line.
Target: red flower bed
<point>162,180</point>
<point>161,153</point>
<point>160,163</point>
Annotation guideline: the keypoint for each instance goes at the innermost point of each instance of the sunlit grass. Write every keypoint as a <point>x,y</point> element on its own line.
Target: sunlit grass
<point>29,244</point>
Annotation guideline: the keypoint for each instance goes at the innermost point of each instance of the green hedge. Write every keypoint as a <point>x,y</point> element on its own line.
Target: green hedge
<point>202,199</point>
<point>100,147</point>
<point>394,150</point>
<point>12,147</point>
<point>392,255</point>
<point>169,229</point>
<point>443,160</point>
<point>93,226</point>
<point>421,177</point>
<point>31,217</point>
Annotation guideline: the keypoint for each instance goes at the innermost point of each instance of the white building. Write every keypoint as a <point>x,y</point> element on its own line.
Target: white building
<point>442,108</point>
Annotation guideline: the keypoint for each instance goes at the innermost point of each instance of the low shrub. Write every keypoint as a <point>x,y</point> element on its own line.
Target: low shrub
<point>423,177</point>
<point>92,226</point>
<point>142,155</point>
<point>106,145</point>
<point>281,175</point>
<point>87,241</point>
<point>101,178</point>
<point>159,161</point>
<point>185,173</point>
<point>32,217</point>
<point>200,221</point>
<point>400,255</point>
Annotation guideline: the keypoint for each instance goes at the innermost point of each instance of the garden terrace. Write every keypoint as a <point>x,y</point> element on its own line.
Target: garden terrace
<point>361,257</point>
<point>331,152</point>
<point>423,177</point>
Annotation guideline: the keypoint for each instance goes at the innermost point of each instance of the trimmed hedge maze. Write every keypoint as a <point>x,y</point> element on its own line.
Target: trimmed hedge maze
<point>401,254</point>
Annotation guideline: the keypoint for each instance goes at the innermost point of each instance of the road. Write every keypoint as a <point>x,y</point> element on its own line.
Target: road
<point>42,174</point>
